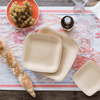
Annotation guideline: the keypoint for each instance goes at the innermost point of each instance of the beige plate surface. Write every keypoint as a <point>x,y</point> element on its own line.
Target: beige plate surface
<point>69,51</point>
<point>42,52</point>
<point>87,78</point>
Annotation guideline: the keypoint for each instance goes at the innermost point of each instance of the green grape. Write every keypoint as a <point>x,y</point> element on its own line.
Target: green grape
<point>14,20</point>
<point>21,16</point>
<point>30,8</point>
<point>19,19</point>
<point>25,6</point>
<point>24,3</point>
<point>19,13</point>
<point>19,10</point>
<point>10,11</point>
<point>12,3</point>
<point>22,21</point>
<point>24,16</point>
<point>20,25</point>
<point>31,23</point>
<point>32,20</point>
<point>26,22</point>
<point>28,4</point>
<point>12,8</point>
<point>16,10</point>
<point>15,6</point>
<point>28,19</point>
<point>12,17</point>
<point>23,24</point>
<point>15,14</point>
<point>15,2</point>
<point>23,10</point>
<point>26,13</point>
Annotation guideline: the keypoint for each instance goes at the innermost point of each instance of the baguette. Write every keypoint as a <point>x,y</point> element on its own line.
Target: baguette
<point>15,67</point>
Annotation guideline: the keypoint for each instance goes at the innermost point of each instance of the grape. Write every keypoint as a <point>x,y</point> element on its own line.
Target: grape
<point>30,8</point>
<point>19,13</point>
<point>28,4</point>
<point>15,2</point>
<point>15,14</point>
<point>19,10</point>
<point>12,17</point>
<point>26,22</point>
<point>24,3</point>
<point>22,21</point>
<point>16,10</point>
<point>23,24</point>
<point>20,25</point>
<point>19,19</point>
<point>12,3</point>
<point>24,16</point>
<point>28,19</point>
<point>15,6</point>
<point>32,20</point>
<point>25,6</point>
<point>12,8</point>
<point>26,13</point>
<point>10,11</point>
<point>23,10</point>
<point>21,16</point>
<point>14,20</point>
<point>31,23</point>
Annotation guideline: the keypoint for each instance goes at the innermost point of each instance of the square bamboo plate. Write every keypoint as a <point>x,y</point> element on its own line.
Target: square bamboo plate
<point>69,51</point>
<point>42,53</point>
<point>87,78</point>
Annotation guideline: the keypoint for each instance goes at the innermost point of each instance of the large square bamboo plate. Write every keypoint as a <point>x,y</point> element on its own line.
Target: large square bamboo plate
<point>69,51</point>
<point>42,53</point>
<point>87,78</point>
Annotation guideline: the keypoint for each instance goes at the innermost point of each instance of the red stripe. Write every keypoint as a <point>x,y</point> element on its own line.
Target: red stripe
<point>54,11</point>
<point>61,11</point>
<point>40,86</point>
<point>2,11</point>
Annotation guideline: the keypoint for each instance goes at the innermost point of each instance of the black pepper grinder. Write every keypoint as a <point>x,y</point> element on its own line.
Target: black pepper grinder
<point>67,23</point>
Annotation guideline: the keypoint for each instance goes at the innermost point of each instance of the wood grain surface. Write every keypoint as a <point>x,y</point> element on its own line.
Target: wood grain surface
<point>48,95</point>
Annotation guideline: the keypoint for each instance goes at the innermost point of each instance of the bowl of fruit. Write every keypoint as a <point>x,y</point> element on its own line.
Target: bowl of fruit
<point>22,13</point>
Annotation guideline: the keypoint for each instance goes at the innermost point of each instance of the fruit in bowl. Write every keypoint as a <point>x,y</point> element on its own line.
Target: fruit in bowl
<point>21,13</point>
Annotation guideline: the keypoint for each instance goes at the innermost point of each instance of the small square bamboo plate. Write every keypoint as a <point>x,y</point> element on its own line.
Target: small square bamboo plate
<point>87,78</point>
<point>69,51</point>
<point>42,53</point>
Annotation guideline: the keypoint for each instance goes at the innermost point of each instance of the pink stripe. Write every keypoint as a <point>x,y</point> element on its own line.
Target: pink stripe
<point>39,86</point>
<point>61,11</point>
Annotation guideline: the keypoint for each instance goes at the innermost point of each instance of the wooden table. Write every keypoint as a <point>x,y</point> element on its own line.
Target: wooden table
<point>48,95</point>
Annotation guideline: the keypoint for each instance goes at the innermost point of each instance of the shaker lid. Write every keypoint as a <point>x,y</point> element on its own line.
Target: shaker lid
<point>67,20</point>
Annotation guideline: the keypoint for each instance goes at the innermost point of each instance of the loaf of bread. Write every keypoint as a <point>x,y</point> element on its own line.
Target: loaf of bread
<point>15,67</point>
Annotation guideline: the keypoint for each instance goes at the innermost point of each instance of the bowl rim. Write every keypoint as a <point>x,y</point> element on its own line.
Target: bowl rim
<point>26,27</point>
